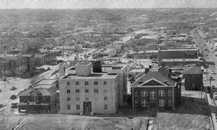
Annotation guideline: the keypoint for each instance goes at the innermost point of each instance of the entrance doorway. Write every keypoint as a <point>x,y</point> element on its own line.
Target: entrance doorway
<point>87,108</point>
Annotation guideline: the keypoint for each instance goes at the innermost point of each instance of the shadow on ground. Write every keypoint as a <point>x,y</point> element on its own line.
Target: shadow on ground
<point>190,105</point>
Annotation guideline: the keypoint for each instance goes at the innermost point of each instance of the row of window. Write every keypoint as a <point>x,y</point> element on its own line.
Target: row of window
<point>95,90</point>
<point>86,83</point>
<point>78,98</point>
<point>161,93</point>
<point>162,103</point>
<point>78,107</point>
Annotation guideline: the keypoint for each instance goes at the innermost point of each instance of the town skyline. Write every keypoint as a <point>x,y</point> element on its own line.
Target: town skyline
<point>110,4</point>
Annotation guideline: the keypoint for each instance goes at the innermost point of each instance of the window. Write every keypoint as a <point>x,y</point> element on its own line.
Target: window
<point>144,103</point>
<point>68,99</point>
<point>104,82</point>
<point>144,93</point>
<point>68,83</point>
<point>77,107</point>
<point>86,98</point>
<point>161,102</point>
<point>68,91</point>
<point>152,95</point>
<point>86,91</point>
<point>86,83</point>
<point>169,102</point>
<point>161,93</point>
<point>105,106</point>
<point>77,91</point>
<point>169,93</point>
<point>68,107</point>
<point>77,83</point>
<point>95,83</point>
<point>77,99</point>
<point>96,90</point>
<point>105,90</point>
<point>105,98</point>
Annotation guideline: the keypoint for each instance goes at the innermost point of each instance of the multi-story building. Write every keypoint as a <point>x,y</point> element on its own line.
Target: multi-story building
<point>155,90</point>
<point>88,92</point>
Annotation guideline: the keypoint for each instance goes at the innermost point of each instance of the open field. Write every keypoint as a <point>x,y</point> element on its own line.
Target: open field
<point>6,86</point>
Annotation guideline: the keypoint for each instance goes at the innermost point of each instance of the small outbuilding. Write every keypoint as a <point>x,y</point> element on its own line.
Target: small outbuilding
<point>193,78</point>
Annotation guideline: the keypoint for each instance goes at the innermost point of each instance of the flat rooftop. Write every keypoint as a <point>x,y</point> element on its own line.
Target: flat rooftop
<point>102,75</point>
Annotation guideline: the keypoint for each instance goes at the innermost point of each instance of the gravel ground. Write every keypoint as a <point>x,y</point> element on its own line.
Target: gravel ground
<point>70,122</point>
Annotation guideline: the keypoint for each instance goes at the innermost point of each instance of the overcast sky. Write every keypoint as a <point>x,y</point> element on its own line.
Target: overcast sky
<point>74,4</point>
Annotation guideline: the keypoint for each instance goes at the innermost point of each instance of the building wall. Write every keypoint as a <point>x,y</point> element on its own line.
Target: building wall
<point>167,96</point>
<point>34,104</point>
<point>122,80</point>
<point>54,103</point>
<point>179,63</point>
<point>193,81</point>
<point>97,99</point>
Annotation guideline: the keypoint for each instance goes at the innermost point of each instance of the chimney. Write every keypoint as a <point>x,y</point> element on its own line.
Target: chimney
<point>83,68</point>
<point>97,66</point>
<point>147,70</point>
<point>170,73</point>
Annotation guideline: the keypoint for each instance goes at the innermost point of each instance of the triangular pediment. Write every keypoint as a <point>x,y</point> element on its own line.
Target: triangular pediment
<point>153,82</point>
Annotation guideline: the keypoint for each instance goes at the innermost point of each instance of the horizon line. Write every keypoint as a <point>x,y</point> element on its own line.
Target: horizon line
<point>105,8</point>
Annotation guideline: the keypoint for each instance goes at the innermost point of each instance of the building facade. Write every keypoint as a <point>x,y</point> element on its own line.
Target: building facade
<point>90,93</point>
<point>122,71</point>
<point>154,90</point>
<point>34,101</point>
<point>42,97</point>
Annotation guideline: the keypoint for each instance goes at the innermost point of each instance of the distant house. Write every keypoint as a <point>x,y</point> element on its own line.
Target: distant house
<point>42,98</point>
<point>179,53</point>
<point>155,90</point>
<point>193,78</point>
<point>15,65</point>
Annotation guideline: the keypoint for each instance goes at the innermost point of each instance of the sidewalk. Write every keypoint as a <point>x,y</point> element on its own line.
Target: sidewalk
<point>212,107</point>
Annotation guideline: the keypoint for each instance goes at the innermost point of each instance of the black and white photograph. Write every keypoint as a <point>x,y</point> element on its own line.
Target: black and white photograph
<point>108,64</point>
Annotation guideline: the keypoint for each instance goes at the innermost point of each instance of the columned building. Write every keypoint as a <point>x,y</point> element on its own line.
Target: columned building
<point>155,90</point>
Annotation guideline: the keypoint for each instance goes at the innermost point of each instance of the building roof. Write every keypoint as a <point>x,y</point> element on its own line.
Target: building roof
<point>181,60</point>
<point>45,83</point>
<point>29,91</point>
<point>194,70</point>
<point>181,49</point>
<point>157,76</point>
